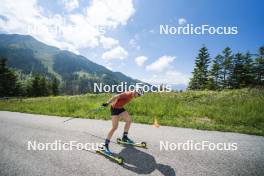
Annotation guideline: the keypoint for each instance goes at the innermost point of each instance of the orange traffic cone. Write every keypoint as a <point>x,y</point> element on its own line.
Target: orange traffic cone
<point>156,124</point>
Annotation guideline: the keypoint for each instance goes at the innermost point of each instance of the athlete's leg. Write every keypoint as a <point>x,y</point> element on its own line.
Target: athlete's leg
<point>127,120</point>
<point>115,119</point>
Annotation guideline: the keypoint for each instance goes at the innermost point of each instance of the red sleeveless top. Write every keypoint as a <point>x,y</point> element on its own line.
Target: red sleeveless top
<point>124,98</point>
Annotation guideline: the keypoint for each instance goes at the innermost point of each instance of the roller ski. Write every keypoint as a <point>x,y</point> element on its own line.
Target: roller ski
<point>108,154</point>
<point>127,141</point>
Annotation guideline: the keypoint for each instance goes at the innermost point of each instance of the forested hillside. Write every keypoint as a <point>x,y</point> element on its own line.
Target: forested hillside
<point>75,73</point>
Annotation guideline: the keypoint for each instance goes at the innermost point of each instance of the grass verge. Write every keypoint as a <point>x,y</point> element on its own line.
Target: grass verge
<point>231,110</point>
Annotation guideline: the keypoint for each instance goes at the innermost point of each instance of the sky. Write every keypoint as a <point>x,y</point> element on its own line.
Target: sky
<point>125,36</point>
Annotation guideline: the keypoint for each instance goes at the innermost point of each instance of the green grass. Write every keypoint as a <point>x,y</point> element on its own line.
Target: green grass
<point>231,110</point>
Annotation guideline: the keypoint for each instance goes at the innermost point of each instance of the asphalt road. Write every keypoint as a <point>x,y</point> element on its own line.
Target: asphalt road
<point>17,129</point>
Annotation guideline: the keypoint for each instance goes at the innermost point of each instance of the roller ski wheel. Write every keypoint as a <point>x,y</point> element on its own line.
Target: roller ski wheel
<point>144,144</point>
<point>119,160</point>
<point>141,145</point>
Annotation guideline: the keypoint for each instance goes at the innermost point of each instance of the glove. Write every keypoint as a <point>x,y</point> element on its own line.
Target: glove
<point>105,104</point>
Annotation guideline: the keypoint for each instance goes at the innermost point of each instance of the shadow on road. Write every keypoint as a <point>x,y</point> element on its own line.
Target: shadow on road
<point>143,163</point>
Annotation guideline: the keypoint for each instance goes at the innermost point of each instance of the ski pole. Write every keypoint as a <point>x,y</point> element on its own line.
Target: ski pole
<point>90,111</point>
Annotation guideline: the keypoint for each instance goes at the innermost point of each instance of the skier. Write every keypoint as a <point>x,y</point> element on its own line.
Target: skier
<point>118,111</point>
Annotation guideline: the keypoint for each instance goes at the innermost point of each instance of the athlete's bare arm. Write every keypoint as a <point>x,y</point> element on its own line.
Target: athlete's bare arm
<point>113,99</point>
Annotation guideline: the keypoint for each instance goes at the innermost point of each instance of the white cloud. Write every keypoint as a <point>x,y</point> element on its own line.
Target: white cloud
<point>72,31</point>
<point>108,42</point>
<point>170,77</point>
<point>182,21</point>
<point>80,34</point>
<point>70,5</point>
<point>109,68</point>
<point>110,12</point>
<point>133,43</point>
<point>140,60</point>
<point>175,77</point>
<point>152,31</point>
<point>31,21</point>
<point>160,64</point>
<point>115,53</point>
<point>165,72</point>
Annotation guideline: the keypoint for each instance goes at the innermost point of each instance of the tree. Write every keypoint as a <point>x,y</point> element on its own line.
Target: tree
<point>35,88</point>
<point>55,86</point>
<point>237,76</point>
<point>43,86</point>
<point>9,85</point>
<point>200,73</point>
<point>259,68</point>
<point>248,74</point>
<point>227,68</point>
<point>215,74</point>
<point>242,75</point>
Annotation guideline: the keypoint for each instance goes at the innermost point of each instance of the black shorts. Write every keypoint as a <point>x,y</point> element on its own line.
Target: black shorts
<point>117,111</point>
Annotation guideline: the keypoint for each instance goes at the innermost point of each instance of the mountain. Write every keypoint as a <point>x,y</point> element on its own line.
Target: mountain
<point>28,55</point>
